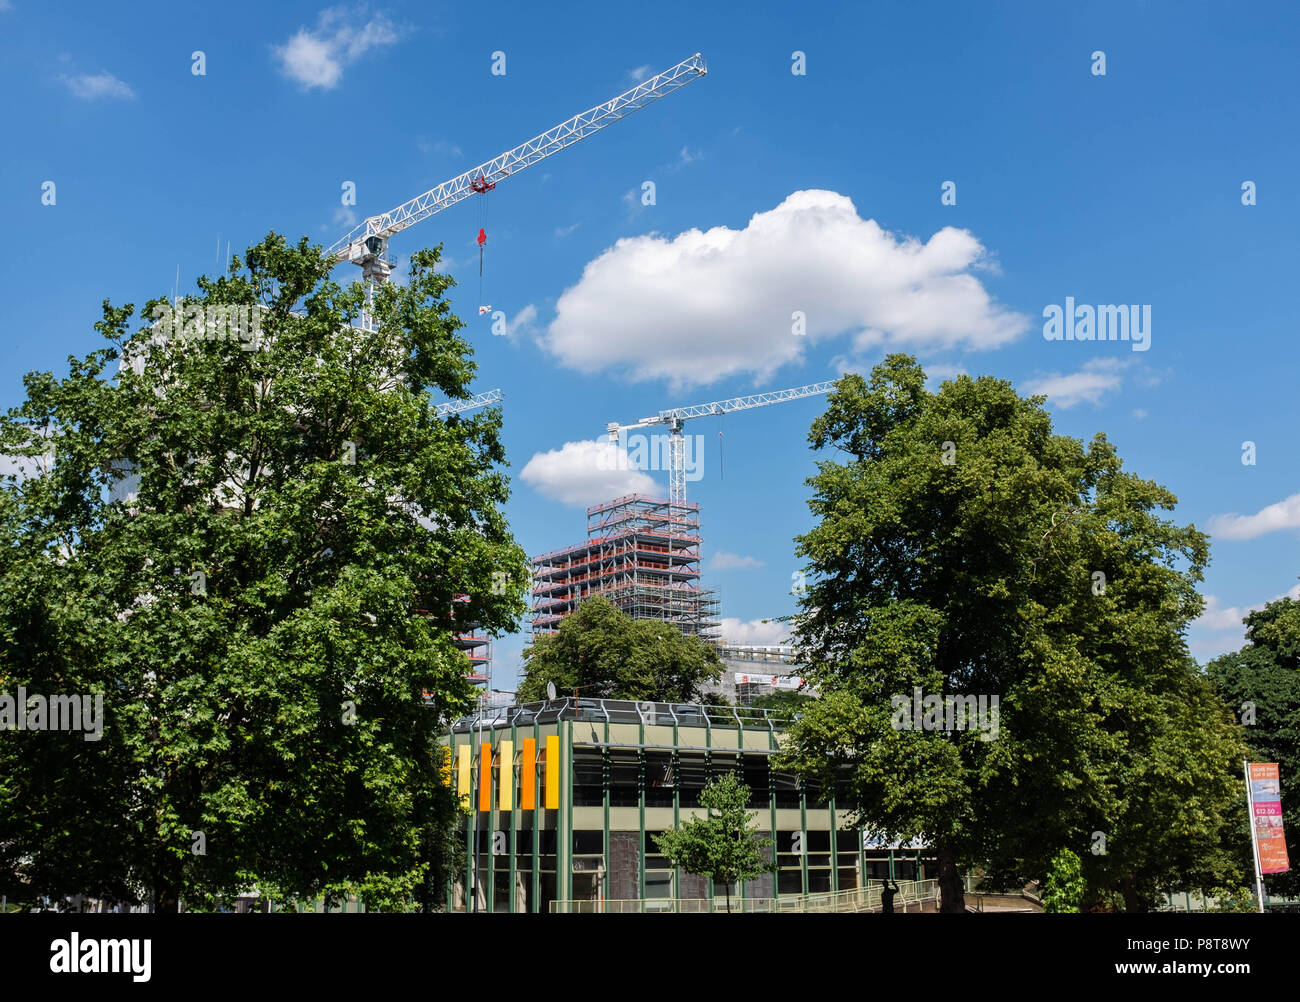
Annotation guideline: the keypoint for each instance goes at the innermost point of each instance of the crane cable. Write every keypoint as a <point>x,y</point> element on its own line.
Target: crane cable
<point>723,424</point>
<point>482,241</point>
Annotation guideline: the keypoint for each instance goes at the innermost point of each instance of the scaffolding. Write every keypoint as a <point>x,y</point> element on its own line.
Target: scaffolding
<point>641,553</point>
<point>476,645</point>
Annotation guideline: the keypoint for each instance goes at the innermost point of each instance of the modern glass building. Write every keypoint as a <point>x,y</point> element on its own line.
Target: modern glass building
<point>566,797</point>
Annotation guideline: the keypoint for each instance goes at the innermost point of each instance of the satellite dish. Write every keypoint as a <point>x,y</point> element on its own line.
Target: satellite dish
<point>550,690</point>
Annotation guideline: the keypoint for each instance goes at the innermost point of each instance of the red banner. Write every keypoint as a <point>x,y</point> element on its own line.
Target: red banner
<point>1266,811</point>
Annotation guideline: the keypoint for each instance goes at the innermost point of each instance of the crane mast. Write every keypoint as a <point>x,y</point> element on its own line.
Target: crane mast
<point>675,418</point>
<point>366,244</point>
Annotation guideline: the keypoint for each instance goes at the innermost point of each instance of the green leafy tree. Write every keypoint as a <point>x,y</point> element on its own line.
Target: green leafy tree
<point>602,652</point>
<point>1261,684</point>
<point>259,559</point>
<point>1065,885</point>
<point>724,844</point>
<point>964,549</point>
<point>785,706</point>
<point>1234,899</point>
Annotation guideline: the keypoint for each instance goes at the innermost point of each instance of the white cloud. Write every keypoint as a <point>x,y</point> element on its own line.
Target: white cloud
<point>96,85</point>
<point>317,58</point>
<point>1140,414</point>
<point>1285,514</point>
<point>440,146</point>
<point>723,561</point>
<point>937,374</point>
<point>564,231</point>
<point>344,216</point>
<point>639,74</point>
<point>1218,617</point>
<point>24,467</point>
<point>684,158</point>
<point>1096,378</point>
<point>584,474</point>
<point>521,321</point>
<point>764,632</point>
<point>704,305</point>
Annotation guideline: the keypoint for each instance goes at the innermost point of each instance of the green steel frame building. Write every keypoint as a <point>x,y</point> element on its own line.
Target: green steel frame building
<point>566,797</point>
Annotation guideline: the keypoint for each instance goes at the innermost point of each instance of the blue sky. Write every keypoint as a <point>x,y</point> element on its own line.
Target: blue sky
<point>774,192</point>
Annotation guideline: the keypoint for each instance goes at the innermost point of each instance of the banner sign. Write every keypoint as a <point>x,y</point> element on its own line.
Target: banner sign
<point>776,681</point>
<point>1266,811</point>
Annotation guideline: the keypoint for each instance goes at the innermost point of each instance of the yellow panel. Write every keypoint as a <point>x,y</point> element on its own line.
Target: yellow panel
<point>506,775</point>
<point>528,775</point>
<point>552,772</point>
<point>485,776</point>
<point>462,770</point>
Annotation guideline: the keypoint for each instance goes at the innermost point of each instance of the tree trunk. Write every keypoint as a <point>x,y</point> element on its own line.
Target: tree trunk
<point>952,896</point>
<point>166,900</point>
<point>1132,900</point>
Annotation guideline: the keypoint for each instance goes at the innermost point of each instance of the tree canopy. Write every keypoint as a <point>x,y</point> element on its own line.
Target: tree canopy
<point>1261,684</point>
<point>604,653</point>
<point>962,548</point>
<point>258,553</point>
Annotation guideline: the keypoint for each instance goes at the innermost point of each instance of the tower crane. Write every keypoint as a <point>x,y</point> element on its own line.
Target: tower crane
<point>460,406</point>
<point>675,417</point>
<point>366,244</point>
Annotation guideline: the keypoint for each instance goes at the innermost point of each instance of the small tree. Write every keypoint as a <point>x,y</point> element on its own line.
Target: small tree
<point>722,845</point>
<point>1065,884</point>
<point>607,654</point>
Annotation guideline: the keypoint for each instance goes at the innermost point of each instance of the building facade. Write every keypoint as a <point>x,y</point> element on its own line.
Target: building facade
<point>643,554</point>
<point>566,798</point>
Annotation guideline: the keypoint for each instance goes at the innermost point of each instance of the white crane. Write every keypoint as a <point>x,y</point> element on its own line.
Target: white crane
<point>674,418</point>
<point>366,244</point>
<point>459,406</point>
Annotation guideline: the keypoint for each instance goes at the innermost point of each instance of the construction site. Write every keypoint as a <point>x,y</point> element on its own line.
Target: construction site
<point>643,554</point>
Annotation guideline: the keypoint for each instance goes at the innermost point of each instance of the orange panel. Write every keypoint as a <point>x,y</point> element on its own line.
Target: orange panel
<point>528,775</point>
<point>485,776</point>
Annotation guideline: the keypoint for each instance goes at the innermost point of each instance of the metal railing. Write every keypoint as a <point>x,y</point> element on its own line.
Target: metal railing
<point>912,894</point>
<point>619,711</point>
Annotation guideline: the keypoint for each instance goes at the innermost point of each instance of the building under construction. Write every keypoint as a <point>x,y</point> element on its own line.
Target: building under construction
<point>643,554</point>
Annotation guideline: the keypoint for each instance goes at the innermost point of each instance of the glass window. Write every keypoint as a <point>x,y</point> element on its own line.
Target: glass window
<point>624,782</point>
<point>691,776</point>
<point>588,779</point>
<point>787,790</point>
<point>659,781</point>
<point>756,778</point>
<point>659,883</point>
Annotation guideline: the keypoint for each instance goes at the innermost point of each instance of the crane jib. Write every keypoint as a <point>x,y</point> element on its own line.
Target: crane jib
<point>352,247</point>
